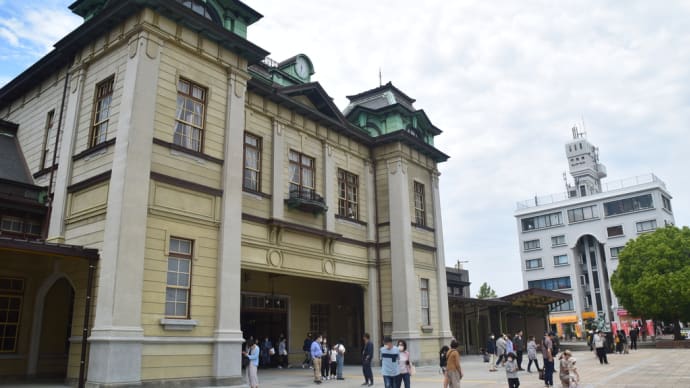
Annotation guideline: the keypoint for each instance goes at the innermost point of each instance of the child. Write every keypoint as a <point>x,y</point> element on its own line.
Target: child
<point>334,361</point>
<point>512,371</point>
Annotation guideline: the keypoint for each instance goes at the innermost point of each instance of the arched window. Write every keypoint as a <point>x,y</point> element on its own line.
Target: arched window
<point>203,9</point>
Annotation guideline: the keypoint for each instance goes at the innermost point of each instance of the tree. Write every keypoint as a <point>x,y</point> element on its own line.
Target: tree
<point>653,275</point>
<point>486,292</point>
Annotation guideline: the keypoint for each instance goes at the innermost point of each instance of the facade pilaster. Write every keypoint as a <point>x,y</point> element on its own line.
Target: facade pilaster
<point>115,352</point>
<point>56,227</point>
<point>405,297</point>
<point>277,207</point>
<point>228,342</point>
<point>371,294</point>
<point>442,285</point>
<point>329,187</point>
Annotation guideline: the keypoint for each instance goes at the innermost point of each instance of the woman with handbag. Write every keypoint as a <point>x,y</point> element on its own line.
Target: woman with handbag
<point>253,355</point>
<point>405,367</point>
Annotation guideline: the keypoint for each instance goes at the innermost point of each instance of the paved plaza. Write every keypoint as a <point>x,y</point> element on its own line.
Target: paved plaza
<point>641,369</point>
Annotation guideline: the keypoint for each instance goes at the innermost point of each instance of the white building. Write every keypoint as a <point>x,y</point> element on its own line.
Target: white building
<point>570,242</point>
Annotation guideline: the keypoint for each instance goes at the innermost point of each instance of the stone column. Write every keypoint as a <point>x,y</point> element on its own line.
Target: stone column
<point>371,293</point>
<point>277,206</point>
<point>115,352</point>
<point>56,227</point>
<point>442,285</point>
<point>406,295</point>
<point>227,365</point>
<point>329,188</point>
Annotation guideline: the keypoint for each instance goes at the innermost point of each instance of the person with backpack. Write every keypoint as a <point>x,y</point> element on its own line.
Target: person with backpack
<point>340,359</point>
<point>443,363</point>
<point>454,368</point>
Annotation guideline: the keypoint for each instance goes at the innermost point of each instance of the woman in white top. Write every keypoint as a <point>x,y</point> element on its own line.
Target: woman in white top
<point>403,365</point>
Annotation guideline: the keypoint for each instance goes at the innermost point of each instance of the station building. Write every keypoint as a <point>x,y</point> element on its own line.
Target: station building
<point>570,241</point>
<point>191,193</point>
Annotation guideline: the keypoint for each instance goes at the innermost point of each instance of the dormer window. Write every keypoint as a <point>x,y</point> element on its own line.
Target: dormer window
<point>202,8</point>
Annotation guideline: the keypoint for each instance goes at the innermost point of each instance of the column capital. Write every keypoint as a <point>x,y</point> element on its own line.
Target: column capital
<point>397,165</point>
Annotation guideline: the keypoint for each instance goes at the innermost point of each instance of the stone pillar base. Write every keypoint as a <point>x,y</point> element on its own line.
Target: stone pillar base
<point>227,356</point>
<point>115,357</point>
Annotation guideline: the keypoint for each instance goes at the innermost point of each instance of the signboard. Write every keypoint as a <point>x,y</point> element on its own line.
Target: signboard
<point>622,312</point>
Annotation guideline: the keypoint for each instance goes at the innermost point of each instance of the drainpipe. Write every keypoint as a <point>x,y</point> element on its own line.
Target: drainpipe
<point>85,326</point>
<point>377,246</point>
<point>52,166</point>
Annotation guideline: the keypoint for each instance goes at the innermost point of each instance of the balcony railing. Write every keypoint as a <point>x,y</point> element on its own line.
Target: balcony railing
<point>605,187</point>
<point>307,200</point>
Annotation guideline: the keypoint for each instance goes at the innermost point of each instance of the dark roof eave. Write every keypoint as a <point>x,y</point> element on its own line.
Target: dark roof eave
<point>397,107</point>
<point>419,145</point>
<point>547,296</point>
<point>47,249</point>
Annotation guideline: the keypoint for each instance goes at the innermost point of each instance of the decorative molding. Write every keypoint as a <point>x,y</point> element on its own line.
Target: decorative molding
<point>423,247</point>
<point>94,180</point>
<point>45,171</point>
<point>178,324</point>
<point>274,258</point>
<point>328,267</point>
<point>396,165</point>
<point>185,184</point>
<point>94,149</point>
<point>423,227</point>
<point>175,147</point>
<point>350,220</point>
<point>256,193</point>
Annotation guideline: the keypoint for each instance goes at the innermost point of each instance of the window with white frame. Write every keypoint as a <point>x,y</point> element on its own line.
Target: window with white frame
<point>531,245</point>
<point>541,222</point>
<point>615,252</point>
<point>614,231</point>
<point>419,204</point>
<point>583,214</point>
<point>179,278</point>
<point>533,264</point>
<point>557,241</point>
<point>424,294</point>
<point>189,117</point>
<point>560,260</point>
<point>302,169</point>
<point>646,226</point>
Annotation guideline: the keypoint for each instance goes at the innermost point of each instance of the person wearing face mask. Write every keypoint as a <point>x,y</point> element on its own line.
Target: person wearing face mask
<point>389,363</point>
<point>491,349</point>
<point>404,365</point>
<point>512,371</point>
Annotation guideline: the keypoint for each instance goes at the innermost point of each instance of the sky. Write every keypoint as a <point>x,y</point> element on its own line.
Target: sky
<point>505,81</point>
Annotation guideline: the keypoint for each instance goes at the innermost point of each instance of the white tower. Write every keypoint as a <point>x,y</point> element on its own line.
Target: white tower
<point>583,159</point>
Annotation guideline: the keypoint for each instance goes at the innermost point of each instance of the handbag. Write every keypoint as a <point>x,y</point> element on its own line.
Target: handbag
<point>413,370</point>
<point>541,374</point>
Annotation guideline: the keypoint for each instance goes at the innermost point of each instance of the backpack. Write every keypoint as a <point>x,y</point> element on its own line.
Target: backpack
<point>443,356</point>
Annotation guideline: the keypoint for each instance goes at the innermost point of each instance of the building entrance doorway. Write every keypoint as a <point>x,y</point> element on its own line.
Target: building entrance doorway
<point>264,316</point>
<point>56,330</point>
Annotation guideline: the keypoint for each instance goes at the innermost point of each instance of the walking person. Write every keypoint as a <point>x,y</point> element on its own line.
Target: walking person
<point>325,359</point>
<point>282,352</point>
<point>633,337</point>
<point>316,354</point>
<point>404,365</point>
<point>532,354</point>
<point>600,346</point>
<point>519,344</point>
<point>389,363</point>
<point>547,351</point>
<point>333,353</point>
<point>454,368</point>
<point>367,356</point>
<point>510,348</point>
<point>340,359</point>
<point>491,349</point>
<point>512,371</point>
<point>266,349</point>
<point>573,374</point>
<point>564,370</point>
<point>443,364</point>
<point>253,355</point>
<point>501,349</point>
<point>307,351</point>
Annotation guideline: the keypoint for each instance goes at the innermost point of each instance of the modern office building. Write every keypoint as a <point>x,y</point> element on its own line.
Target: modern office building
<point>570,242</point>
<point>210,194</point>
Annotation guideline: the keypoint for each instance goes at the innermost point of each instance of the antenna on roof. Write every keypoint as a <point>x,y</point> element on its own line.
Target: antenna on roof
<point>380,78</point>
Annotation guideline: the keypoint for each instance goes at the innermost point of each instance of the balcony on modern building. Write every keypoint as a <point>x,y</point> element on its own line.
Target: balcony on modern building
<point>307,200</point>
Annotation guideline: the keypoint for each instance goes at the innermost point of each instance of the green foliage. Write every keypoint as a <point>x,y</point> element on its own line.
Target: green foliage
<point>486,292</point>
<point>653,275</point>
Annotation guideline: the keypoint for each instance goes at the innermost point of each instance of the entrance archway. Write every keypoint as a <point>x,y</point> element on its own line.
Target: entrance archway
<point>56,327</point>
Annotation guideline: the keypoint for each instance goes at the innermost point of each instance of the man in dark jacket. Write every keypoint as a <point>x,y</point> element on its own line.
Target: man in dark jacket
<point>307,351</point>
<point>367,356</point>
<point>519,345</point>
<point>491,349</point>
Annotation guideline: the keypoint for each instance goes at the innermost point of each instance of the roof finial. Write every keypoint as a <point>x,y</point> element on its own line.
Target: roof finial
<point>380,78</point>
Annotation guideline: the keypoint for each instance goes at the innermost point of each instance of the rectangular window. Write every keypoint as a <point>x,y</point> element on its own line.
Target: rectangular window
<point>628,205</point>
<point>541,222</point>
<point>565,306</point>
<point>583,280</point>
<point>50,120</point>
<point>666,202</point>
<point>252,162</point>
<point>179,279</point>
<point>615,251</point>
<point>531,245</point>
<point>318,322</point>
<point>557,241</point>
<point>102,101</point>
<point>583,213</point>
<point>11,292</point>
<point>424,293</point>
<point>348,194</point>
<point>419,204</point>
<point>189,118</point>
<point>562,283</point>
<point>614,231</point>
<point>16,225</point>
<point>302,174</point>
<point>560,260</point>
<point>646,226</point>
<point>533,264</point>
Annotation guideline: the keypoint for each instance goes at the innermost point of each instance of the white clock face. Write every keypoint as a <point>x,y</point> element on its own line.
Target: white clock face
<point>302,68</point>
